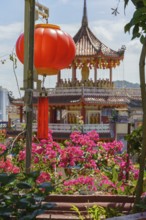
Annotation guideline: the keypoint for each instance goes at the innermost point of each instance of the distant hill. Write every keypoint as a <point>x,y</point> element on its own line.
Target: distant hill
<point>125,84</point>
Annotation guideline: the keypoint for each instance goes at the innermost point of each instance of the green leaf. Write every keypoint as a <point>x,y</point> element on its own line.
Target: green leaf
<point>115,175</point>
<point>127,27</point>
<point>5,178</point>
<point>7,197</point>
<point>142,39</point>
<point>38,198</point>
<point>47,186</point>
<point>136,35</point>
<point>4,153</point>
<point>48,205</point>
<point>24,185</point>
<point>32,215</point>
<point>135,30</point>
<point>34,174</point>
<point>5,211</point>
<point>27,203</point>
<point>76,209</point>
<point>144,2</point>
<point>139,16</point>
<point>22,203</point>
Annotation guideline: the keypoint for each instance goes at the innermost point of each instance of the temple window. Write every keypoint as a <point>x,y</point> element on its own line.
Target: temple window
<point>93,117</point>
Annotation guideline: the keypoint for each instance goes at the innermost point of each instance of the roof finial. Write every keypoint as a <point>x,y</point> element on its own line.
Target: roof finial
<point>85,19</point>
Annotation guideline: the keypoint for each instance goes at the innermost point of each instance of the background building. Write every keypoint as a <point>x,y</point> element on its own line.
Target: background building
<point>4,103</point>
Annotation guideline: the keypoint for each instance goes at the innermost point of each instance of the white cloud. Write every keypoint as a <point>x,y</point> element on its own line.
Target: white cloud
<point>10,31</point>
<point>134,46</point>
<point>70,29</point>
<point>109,30</point>
<point>8,37</point>
<point>64,1</point>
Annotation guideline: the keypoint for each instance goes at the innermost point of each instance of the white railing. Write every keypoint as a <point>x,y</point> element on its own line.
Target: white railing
<point>91,91</point>
<point>100,128</point>
<point>68,128</point>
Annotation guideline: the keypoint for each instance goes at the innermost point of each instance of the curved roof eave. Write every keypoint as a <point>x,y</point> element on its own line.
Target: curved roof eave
<point>106,51</point>
<point>84,45</point>
<point>87,44</point>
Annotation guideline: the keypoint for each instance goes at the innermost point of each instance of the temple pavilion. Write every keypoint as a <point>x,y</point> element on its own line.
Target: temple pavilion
<point>90,103</point>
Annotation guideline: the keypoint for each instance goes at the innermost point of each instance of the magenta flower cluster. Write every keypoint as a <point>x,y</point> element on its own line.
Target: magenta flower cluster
<point>82,161</point>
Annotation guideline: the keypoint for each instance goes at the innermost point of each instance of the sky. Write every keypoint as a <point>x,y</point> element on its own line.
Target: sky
<point>109,29</point>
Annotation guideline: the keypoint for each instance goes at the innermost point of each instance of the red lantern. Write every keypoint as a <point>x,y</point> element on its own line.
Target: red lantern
<point>53,49</point>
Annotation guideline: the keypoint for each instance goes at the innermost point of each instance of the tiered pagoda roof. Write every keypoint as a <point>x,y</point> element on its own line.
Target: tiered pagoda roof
<point>74,100</point>
<point>87,46</point>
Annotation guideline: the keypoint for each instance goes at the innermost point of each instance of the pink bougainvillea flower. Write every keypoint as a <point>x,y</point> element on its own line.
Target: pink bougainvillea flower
<point>43,177</point>
<point>2,148</point>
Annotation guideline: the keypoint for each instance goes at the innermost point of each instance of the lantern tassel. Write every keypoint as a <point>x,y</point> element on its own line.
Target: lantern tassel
<point>43,107</point>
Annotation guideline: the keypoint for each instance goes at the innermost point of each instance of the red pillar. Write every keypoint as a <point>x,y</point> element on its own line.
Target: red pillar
<point>43,117</point>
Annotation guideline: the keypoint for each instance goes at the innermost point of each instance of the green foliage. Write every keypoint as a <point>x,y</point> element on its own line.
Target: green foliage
<point>137,23</point>
<point>21,198</point>
<point>74,208</point>
<point>135,141</point>
<point>16,147</point>
<point>138,3</point>
<point>2,137</point>
<point>13,58</point>
<point>79,124</point>
<point>97,212</point>
<point>142,205</point>
<point>112,212</point>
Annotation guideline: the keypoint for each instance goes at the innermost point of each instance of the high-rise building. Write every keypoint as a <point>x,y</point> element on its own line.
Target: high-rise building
<point>4,103</point>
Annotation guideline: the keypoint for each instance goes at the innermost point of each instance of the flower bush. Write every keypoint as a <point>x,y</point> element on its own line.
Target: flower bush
<point>88,164</point>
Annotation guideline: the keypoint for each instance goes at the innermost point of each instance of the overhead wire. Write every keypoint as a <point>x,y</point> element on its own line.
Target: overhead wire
<point>14,71</point>
<point>12,56</point>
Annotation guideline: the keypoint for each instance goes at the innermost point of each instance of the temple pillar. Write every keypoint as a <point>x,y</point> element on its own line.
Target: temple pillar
<point>111,76</point>
<point>9,122</point>
<point>58,77</point>
<point>74,73</point>
<point>83,113</point>
<point>21,114</point>
<point>52,115</point>
<point>95,73</point>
